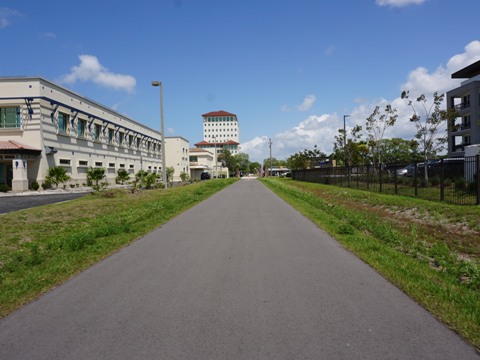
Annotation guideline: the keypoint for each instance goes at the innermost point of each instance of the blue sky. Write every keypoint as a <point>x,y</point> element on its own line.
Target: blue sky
<point>289,69</point>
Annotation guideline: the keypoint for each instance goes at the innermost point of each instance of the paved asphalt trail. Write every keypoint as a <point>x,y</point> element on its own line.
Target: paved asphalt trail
<point>240,276</point>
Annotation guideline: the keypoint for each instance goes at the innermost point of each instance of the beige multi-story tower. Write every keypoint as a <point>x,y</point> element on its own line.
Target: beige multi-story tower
<point>222,131</point>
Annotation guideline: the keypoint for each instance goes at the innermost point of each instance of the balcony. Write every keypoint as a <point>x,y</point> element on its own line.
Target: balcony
<point>460,147</point>
<point>462,106</point>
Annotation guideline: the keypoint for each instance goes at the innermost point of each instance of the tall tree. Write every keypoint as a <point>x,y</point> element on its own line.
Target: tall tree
<point>376,125</point>
<point>243,162</point>
<point>428,120</point>
<point>349,151</point>
<point>400,151</point>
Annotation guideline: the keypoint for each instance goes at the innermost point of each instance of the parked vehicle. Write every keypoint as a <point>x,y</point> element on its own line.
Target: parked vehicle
<point>205,176</point>
<point>405,171</point>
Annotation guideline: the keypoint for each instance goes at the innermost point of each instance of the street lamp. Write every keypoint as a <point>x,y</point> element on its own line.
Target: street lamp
<point>164,168</point>
<point>344,132</point>
<point>215,155</point>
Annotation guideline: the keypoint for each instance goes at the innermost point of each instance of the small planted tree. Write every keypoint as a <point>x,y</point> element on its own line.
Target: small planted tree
<point>184,176</point>
<point>57,175</point>
<point>428,120</point>
<point>122,176</point>
<point>95,177</point>
<point>170,170</point>
<point>376,125</point>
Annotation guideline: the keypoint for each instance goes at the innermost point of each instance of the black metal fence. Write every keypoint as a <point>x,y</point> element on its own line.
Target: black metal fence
<point>453,180</point>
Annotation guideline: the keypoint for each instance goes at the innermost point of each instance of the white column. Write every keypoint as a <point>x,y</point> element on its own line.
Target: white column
<point>20,179</point>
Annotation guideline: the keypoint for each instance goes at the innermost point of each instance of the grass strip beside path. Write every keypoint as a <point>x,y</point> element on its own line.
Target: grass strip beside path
<point>432,255</point>
<point>44,246</point>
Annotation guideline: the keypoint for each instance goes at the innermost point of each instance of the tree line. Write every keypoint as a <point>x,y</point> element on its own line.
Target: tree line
<point>369,146</point>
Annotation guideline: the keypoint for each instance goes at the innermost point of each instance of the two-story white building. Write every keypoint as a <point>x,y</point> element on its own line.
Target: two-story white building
<point>43,125</point>
<point>177,156</point>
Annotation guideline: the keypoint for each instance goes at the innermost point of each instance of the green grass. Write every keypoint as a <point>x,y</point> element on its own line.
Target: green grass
<point>429,250</point>
<point>44,246</point>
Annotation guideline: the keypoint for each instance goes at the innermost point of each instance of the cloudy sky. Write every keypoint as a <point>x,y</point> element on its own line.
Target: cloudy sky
<point>290,70</point>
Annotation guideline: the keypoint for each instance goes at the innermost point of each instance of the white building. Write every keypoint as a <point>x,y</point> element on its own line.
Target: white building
<point>222,131</point>
<point>176,155</point>
<point>202,160</point>
<point>44,125</point>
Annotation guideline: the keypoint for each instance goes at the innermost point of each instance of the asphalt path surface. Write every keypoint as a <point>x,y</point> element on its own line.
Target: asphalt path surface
<point>240,276</point>
<point>14,203</point>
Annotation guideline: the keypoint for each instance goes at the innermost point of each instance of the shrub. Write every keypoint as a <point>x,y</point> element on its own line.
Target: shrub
<point>57,175</point>
<point>94,178</point>
<point>460,183</point>
<point>46,184</point>
<point>4,188</point>
<point>35,185</point>
<point>184,176</point>
<point>435,180</point>
<point>122,176</point>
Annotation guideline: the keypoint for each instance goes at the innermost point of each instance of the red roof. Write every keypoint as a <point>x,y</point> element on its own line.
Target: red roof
<point>218,143</point>
<point>14,145</point>
<point>218,113</point>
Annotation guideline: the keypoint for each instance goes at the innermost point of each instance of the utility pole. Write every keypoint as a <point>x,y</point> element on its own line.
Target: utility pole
<point>270,146</point>
<point>345,140</point>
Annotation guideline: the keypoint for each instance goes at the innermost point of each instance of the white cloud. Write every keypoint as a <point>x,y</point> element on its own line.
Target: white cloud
<point>307,103</point>
<point>422,82</point>
<point>320,130</point>
<point>90,69</point>
<point>398,3</point>
<point>5,15</point>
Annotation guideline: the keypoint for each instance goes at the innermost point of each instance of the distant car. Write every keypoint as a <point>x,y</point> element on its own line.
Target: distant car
<point>205,176</point>
<point>406,171</point>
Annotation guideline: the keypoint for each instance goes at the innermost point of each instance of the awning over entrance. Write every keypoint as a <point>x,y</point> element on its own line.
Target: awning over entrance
<point>14,147</point>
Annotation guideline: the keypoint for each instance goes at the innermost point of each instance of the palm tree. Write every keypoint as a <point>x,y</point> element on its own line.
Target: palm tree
<point>57,175</point>
<point>94,176</point>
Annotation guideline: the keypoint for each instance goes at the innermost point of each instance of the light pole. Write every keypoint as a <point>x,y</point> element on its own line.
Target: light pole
<point>215,155</point>
<point>344,131</point>
<point>164,168</point>
<point>270,146</point>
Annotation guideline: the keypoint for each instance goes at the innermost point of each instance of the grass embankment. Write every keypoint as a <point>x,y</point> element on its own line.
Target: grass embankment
<point>43,246</point>
<point>429,250</point>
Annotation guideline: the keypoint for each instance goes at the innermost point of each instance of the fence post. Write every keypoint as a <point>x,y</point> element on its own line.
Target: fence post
<point>415,179</point>
<point>478,178</point>
<point>395,179</point>
<point>442,182</point>
<point>380,178</point>
<point>368,177</point>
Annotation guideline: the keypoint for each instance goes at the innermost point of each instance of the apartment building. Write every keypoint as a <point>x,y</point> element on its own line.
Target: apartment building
<point>43,125</point>
<point>177,156</point>
<point>465,131</point>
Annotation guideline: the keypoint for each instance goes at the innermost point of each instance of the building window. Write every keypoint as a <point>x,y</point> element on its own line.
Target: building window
<point>110,136</point>
<point>139,141</point>
<point>120,138</point>
<point>97,130</point>
<point>82,163</point>
<point>111,165</point>
<point>64,162</point>
<point>130,140</point>
<point>98,164</point>
<point>121,166</point>
<point>63,122</point>
<point>10,117</point>
<point>81,125</point>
